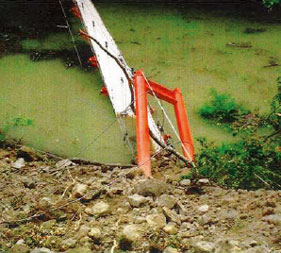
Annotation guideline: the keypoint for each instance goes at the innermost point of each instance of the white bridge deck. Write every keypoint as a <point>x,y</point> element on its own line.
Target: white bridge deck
<point>116,82</point>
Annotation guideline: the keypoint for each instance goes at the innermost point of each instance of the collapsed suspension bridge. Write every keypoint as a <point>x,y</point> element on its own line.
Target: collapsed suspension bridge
<point>127,91</point>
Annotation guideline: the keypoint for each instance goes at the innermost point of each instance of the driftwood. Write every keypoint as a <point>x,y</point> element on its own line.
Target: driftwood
<point>171,150</point>
<point>273,64</point>
<point>112,165</point>
<point>110,54</point>
<point>120,64</point>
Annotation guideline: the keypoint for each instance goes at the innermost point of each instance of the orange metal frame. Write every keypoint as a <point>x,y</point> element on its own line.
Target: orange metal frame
<point>173,97</point>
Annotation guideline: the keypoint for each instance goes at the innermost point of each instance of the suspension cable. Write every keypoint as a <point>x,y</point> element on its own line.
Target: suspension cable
<point>129,78</point>
<point>71,34</point>
<point>169,120</point>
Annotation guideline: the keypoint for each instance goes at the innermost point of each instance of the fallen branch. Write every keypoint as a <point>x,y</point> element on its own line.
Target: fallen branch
<point>119,63</point>
<point>114,246</point>
<point>110,54</point>
<point>273,134</point>
<point>262,180</point>
<point>271,65</point>
<point>171,150</point>
<point>111,165</point>
<point>114,241</point>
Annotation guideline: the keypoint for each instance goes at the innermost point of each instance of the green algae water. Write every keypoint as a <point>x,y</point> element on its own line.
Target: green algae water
<point>190,48</point>
<point>67,111</point>
<point>197,50</point>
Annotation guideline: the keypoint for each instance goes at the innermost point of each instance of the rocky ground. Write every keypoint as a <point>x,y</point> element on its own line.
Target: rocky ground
<point>49,205</point>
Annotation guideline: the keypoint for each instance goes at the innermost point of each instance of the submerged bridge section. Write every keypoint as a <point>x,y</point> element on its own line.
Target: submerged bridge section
<point>117,75</point>
<point>128,90</point>
<point>115,80</point>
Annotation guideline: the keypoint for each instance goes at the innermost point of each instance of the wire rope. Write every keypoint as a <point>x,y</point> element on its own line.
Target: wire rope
<point>71,34</point>
<point>168,119</point>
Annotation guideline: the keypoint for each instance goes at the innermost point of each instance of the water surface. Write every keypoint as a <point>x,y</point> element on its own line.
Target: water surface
<point>192,48</point>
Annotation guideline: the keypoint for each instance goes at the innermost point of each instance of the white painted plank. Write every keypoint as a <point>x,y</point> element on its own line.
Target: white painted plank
<point>114,78</point>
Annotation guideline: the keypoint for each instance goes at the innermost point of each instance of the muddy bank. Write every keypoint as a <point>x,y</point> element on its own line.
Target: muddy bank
<point>65,207</point>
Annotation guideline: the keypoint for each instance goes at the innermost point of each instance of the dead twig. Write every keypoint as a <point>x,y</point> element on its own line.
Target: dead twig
<point>271,65</point>
<point>171,150</point>
<point>86,162</point>
<point>114,241</point>
<point>261,179</point>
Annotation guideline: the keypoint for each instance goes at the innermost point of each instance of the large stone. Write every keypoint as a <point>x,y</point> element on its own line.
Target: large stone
<point>46,203</point>
<point>95,233</point>
<point>204,246</point>
<point>20,241</point>
<point>133,232</point>
<point>79,250</point>
<point>99,209</point>
<point>273,219</point>
<point>258,249</point>
<point>79,190</point>
<point>156,221</point>
<point>19,248</point>
<point>28,182</point>
<point>205,219</point>
<point>82,232</point>
<point>203,208</point>
<point>151,187</point>
<point>230,214</point>
<point>172,215</point>
<point>64,163</point>
<point>166,201</point>
<point>185,182</point>
<point>69,243</point>
<point>170,250</point>
<point>18,164</point>
<point>41,250</point>
<point>203,181</point>
<point>186,226</point>
<point>47,226</point>
<point>130,173</point>
<point>137,200</point>
<point>171,228</point>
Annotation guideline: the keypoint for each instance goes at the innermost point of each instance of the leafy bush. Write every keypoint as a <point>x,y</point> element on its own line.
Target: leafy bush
<point>222,108</point>
<point>252,162</point>
<point>271,3</point>
<point>275,115</point>
<point>249,164</point>
<point>12,124</point>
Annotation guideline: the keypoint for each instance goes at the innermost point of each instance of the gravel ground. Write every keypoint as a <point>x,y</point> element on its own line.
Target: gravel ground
<point>49,205</point>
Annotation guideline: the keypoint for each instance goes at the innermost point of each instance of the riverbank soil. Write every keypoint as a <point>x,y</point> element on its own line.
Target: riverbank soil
<point>50,205</point>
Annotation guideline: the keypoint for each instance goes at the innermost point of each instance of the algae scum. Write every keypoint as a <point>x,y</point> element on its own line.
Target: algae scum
<point>191,47</point>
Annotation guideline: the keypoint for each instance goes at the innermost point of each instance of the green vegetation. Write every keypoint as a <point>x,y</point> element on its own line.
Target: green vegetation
<point>275,115</point>
<point>271,3</point>
<point>14,123</point>
<point>222,108</point>
<point>250,163</point>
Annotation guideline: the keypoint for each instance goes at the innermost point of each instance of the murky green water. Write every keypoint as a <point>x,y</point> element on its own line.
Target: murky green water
<point>67,111</point>
<point>190,49</point>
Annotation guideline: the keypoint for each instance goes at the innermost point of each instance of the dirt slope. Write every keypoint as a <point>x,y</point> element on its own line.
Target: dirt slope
<point>57,206</point>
